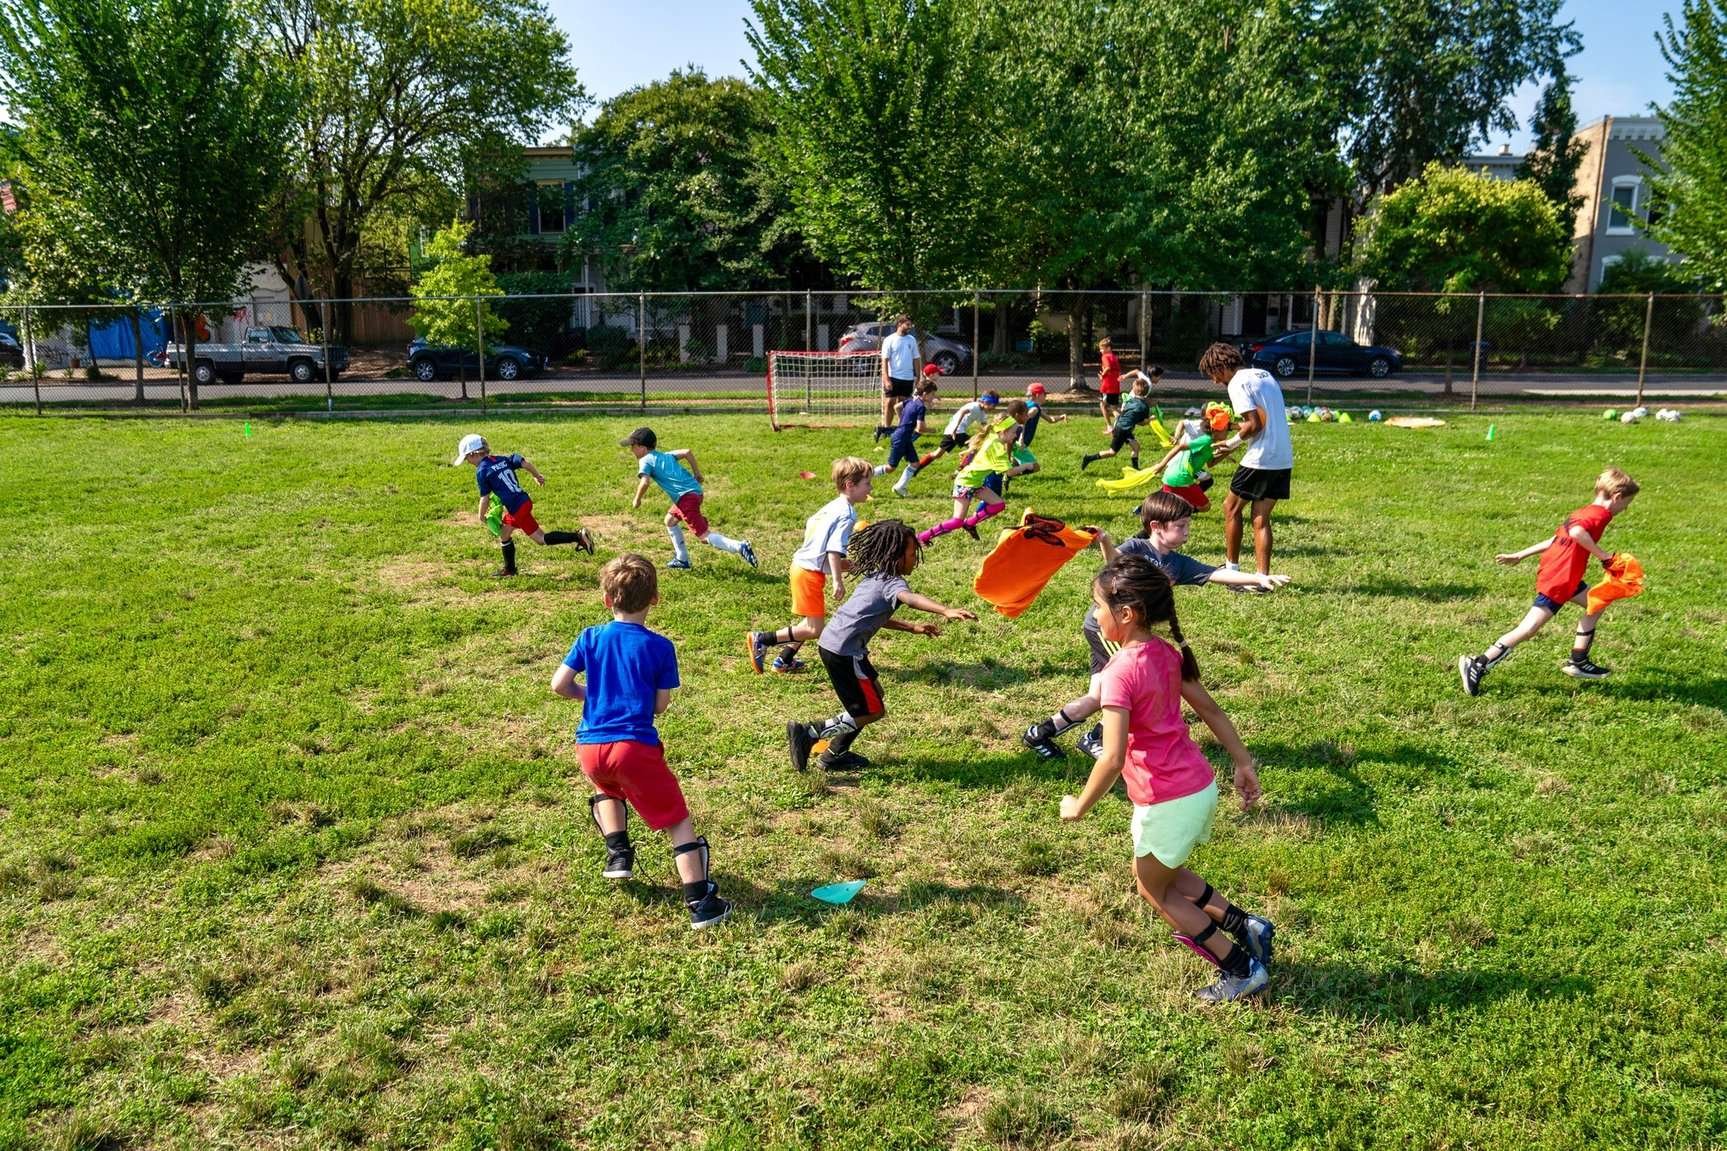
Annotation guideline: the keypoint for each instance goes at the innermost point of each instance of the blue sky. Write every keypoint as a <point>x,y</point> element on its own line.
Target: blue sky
<point>619,45</point>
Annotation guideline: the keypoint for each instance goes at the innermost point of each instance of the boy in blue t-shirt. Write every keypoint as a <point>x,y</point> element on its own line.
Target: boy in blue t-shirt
<point>496,476</point>
<point>684,487</point>
<point>631,673</point>
<point>903,446</point>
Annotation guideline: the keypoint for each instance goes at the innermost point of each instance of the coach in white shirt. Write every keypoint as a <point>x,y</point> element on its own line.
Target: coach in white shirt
<point>1263,477</point>
<point>901,359</point>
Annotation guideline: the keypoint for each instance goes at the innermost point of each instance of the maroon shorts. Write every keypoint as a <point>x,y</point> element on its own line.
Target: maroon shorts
<point>689,509</point>
<point>636,773</point>
<point>522,519</point>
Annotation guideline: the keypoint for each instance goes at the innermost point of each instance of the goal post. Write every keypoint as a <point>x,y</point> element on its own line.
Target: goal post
<point>823,389</point>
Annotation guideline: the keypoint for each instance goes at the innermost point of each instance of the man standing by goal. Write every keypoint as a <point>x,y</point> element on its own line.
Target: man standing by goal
<point>901,360</point>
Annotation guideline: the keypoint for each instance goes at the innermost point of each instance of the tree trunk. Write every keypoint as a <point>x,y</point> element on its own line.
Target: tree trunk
<point>341,316</point>
<point>137,358</point>
<point>189,359</point>
<point>1076,311</point>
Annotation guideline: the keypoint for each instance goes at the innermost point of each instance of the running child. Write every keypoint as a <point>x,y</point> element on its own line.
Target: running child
<point>882,555</point>
<point>1134,412</point>
<point>821,557</point>
<point>957,433</point>
<point>1172,787</point>
<point>1559,581</point>
<point>1165,519</point>
<point>685,489</point>
<point>1108,382</point>
<point>1035,413</point>
<point>630,675</point>
<point>993,458</point>
<point>1184,465</point>
<point>903,445</point>
<point>496,476</point>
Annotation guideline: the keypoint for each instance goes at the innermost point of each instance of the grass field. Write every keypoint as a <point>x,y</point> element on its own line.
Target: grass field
<point>293,851</point>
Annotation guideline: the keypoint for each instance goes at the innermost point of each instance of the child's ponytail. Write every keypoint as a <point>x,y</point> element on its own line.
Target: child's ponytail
<point>1189,663</point>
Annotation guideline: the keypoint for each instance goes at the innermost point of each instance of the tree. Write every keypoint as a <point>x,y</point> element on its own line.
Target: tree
<point>400,97</point>
<point>678,192</point>
<point>1555,155</point>
<point>448,296</point>
<point>154,127</point>
<point>1691,191</point>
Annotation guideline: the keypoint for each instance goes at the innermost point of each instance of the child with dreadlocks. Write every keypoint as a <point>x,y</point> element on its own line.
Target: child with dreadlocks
<point>1173,788</point>
<point>882,555</point>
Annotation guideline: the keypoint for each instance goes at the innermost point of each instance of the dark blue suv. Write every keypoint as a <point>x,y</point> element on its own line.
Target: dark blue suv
<point>1286,355</point>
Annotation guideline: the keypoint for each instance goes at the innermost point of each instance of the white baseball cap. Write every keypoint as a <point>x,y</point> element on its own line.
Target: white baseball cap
<point>470,444</point>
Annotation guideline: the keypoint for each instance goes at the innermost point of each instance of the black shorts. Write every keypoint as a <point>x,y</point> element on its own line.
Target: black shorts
<point>902,451</point>
<point>855,682</point>
<point>1099,653</point>
<point>1549,604</point>
<point>949,443</point>
<point>1119,439</point>
<point>1111,399</point>
<point>1261,483</point>
<point>898,389</point>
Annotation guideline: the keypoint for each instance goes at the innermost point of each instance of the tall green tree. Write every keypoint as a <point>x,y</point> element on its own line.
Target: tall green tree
<point>451,294</point>
<point>679,190</point>
<point>399,98</point>
<point>1690,183</point>
<point>155,126</point>
<point>1555,155</point>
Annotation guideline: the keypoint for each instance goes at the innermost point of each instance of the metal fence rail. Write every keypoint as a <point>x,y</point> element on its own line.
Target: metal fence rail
<point>710,350</point>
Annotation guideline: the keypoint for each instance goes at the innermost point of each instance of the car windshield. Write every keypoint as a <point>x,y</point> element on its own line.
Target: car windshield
<point>286,336</point>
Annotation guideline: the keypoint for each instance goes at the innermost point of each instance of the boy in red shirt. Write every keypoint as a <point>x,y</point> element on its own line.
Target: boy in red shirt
<point>1564,559</point>
<point>1108,383</point>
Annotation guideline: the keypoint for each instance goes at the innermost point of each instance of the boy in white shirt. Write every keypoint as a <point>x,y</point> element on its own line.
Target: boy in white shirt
<point>1263,477</point>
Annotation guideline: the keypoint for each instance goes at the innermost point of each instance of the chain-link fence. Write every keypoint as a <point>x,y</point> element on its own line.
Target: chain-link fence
<point>711,350</point>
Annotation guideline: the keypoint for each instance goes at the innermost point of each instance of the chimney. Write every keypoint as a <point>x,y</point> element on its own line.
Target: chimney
<point>1505,149</point>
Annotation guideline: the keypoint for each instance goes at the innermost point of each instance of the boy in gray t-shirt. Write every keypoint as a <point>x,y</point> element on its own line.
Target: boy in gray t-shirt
<point>881,556</point>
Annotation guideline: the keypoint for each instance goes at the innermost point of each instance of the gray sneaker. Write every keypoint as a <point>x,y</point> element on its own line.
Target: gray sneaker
<point>1229,988</point>
<point>1470,669</point>
<point>1092,741</point>
<point>1256,935</point>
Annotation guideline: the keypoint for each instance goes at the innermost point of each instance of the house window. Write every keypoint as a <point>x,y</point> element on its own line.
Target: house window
<point>550,195</point>
<point>1624,205</point>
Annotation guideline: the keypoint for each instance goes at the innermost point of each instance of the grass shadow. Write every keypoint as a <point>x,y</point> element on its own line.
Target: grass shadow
<point>789,900</point>
<point>1407,589</point>
<point>1400,994</point>
<point>1339,795</point>
<point>986,674</point>
<point>1700,693</point>
<point>995,771</point>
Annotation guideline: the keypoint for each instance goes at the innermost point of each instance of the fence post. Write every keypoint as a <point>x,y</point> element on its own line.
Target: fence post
<point>976,337</point>
<point>1475,372</point>
<point>809,320</point>
<point>1312,343</point>
<point>324,335</point>
<point>480,342</point>
<point>642,347</point>
<point>1643,364</point>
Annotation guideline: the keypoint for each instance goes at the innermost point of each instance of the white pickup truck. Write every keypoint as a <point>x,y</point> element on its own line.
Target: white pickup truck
<point>265,351</point>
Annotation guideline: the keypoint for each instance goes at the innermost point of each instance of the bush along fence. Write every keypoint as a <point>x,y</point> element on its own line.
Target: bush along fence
<point>711,349</point>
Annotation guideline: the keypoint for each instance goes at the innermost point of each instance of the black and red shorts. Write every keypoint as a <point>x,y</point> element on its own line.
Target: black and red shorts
<point>855,682</point>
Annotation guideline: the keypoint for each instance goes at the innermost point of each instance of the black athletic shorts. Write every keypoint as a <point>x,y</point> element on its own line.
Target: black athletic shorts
<point>898,389</point>
<point>1261,483</point>
<point>949,443</point>
<point>1119,439</point>
<point>855,682</point>
<point>1111,399</point>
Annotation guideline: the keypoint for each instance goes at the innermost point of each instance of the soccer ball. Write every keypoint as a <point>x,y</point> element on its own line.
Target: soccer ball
<point>1374,416</point>
<point>1610,414</point>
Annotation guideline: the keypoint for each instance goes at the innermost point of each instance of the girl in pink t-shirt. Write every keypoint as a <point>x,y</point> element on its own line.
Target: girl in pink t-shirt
<point>1173,789</point>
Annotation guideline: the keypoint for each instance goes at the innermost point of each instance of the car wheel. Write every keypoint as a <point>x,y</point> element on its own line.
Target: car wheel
<point>946,363</point>
<point>1379,368</point>
<point>508,369</point>
<point>203,373</point>
<point>1285,366</point>
<point>300,371</point>
<point>425,370</point>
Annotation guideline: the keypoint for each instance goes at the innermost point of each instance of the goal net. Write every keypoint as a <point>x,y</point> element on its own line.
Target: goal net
<point>823,389</point>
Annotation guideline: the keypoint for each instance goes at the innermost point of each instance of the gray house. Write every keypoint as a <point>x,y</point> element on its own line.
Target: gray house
<point>1614,184</point>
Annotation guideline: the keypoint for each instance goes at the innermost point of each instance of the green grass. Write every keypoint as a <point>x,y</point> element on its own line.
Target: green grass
<point>294,851</point>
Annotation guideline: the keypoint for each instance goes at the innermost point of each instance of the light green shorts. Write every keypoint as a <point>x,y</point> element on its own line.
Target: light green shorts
<point>1172,829</point>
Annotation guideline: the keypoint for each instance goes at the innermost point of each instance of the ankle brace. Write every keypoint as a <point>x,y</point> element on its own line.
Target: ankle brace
<point>700,843</point>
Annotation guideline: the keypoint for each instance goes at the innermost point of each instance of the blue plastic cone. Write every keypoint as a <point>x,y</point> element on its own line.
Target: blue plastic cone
<point>838,894</point>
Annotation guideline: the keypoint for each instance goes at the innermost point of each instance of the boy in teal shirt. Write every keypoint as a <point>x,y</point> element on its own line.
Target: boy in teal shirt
<point>684,486</point>
<point>1135,410</point>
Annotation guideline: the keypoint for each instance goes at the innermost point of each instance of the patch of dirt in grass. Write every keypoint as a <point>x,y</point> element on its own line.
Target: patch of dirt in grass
<point>963,1112</point>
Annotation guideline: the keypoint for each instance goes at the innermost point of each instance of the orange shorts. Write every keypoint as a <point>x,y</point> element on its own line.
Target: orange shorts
<point>808,592</point>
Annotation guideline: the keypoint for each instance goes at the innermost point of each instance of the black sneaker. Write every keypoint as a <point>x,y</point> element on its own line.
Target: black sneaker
<point>971,530</point>
<point>620,864</point>
<point>799,739</point>
<point>1044,746</point>
<point>709,909</point>
<point>1470,669</point>
<point>1584,669</point>
<point>584,540</point>
<point>845,761</point>
<point>1085,462</point>
<point>1092,741</point>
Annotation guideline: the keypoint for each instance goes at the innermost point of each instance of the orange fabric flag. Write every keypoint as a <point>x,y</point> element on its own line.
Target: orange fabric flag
<point>1025,559</point>
<point>1624,580</point>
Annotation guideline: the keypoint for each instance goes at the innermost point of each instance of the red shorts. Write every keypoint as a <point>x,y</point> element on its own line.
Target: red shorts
<point>1193,494</point>
<point>689,509</point>
<point>636,773</point>
<point>522,519</point>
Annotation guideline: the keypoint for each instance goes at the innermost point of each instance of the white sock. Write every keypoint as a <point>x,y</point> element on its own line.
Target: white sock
<point>724,543</point>
<point>905,476</point>
<point>1231,566</point>
<point>879,470</point>
<point>679,550</point>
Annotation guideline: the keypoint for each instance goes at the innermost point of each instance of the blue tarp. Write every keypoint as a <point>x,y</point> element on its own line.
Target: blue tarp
<point>113,340</point>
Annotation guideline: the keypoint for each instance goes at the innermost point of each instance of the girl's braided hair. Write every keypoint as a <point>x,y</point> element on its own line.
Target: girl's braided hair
<point>1135,583</point>
<point>878,548</point>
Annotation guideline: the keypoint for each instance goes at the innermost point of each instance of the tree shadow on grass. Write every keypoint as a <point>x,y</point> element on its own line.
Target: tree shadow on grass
<point>1401,994</point>
<point>1711,692</point>
<point>1408,589</point>
<point>996,771</point>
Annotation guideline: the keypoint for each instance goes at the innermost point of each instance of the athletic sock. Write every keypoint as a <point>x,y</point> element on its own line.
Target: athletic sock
<point>1091,458</point>
<point>509,550</point>
<point>1235,961</point>
<point>979,516</point>
<point>680,551</point>
<point>905,476</point>
<point>790,651</point>
<point>1581,643</point>
<point>941,529</point>
<point>923,462</point>
<point>723,543</point>
<point>880,470</point>
<point>562,537</point>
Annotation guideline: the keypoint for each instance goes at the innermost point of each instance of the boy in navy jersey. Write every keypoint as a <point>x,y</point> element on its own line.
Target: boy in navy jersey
<point>496,476</point>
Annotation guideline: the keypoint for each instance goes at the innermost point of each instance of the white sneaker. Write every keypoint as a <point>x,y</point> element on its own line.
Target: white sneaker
<point>1229,988</point>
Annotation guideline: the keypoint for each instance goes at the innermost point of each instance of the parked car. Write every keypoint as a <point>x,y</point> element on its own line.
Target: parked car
<point>274,350</point>
<point>1336,354</point>
<point>948,355</point>
<point>11,352</point>
<point>503,362</point>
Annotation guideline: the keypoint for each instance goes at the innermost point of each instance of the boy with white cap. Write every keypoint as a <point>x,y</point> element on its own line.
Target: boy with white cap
<point>496,477</point>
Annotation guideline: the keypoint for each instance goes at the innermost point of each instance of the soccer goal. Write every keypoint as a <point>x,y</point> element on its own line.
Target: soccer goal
<point>823,389</point>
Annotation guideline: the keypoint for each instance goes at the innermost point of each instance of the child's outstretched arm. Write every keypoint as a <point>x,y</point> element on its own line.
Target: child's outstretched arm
<point>837,567</point>
<point>533,471</point>
<point>1207,709</point>
<point>565,683</point>
<point>1518,557</point>
<point>924,603</point>
<point>1227,578</point>
<point>1107,768</point>
<point>1583,541</point>
<point>688,455</point>
<point>1104,543</point>
<point>1178,446</point>
<point>641,490</point>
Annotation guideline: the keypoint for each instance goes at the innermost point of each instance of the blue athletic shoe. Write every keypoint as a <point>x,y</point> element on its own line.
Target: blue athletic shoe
<point>680,565</point>
<point>749,553</point>
<point>1256,935</point>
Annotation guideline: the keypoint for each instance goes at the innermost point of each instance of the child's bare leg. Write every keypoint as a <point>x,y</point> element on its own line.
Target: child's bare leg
<point>1071,714</point>
<point>1262,535</point>
<point>692,865</point>
<point>1156,885</point>
<point>1232,505</point>
<point>609,812</point>
<point>1533,621</point>
<point>1585,636</point>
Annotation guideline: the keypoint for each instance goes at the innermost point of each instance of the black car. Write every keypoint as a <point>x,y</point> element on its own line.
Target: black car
<point>503,362</point>
<point>1336,354</point>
